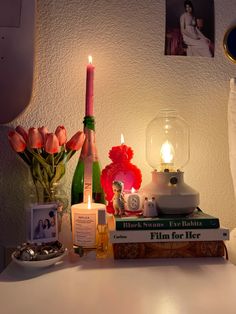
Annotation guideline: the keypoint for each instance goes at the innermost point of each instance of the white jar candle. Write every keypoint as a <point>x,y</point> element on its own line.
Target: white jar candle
<point>84,223</point>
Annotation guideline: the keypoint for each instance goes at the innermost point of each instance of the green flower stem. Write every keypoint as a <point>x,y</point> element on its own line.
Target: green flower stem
<point>57,157</point>
<point>61,156</point>
<point>69,155</point>
<point>24,156</point>
<point>52,163</point>
<point>37,176</point>
<point>35,184</point>
<point>60,170</point>
<point>43,163</point>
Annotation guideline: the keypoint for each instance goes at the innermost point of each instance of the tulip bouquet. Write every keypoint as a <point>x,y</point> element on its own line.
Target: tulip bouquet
<point>45,153</point>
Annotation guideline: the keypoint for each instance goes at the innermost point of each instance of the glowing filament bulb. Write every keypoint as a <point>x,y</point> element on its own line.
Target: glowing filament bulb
<point>167,152</point>
<point>132,190</point>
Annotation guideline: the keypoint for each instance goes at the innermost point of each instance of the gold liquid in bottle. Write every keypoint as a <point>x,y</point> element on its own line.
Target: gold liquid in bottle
<point>102,235</point>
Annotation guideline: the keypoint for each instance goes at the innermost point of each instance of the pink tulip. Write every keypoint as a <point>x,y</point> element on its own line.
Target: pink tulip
<point>17,142</point>
<point>76,142</point>
<point>61,134</point>
<point>51,143</point>
<point>43,131</point>
<point>35,139</point>
<point>22,132</point>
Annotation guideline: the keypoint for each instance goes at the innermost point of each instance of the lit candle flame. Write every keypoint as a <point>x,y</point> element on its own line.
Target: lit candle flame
<point>167,152</point>
<point>122,139</point>
<point>90,59</point>
<point>132,190</point>
<point>89,202</point>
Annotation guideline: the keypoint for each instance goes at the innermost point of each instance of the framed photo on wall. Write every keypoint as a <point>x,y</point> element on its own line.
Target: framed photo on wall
<point>44,224</point>
<point>190,28</point>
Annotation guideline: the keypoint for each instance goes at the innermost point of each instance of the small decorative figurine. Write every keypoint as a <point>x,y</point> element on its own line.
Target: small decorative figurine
<point>150,207</point>
<point>118,200</point>
<point>121,169</point>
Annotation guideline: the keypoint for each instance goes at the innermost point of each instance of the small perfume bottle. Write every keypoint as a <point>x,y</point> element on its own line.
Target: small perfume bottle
<point>102,235</point>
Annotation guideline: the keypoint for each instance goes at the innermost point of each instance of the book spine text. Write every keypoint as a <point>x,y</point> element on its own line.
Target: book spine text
<point>169,235</point>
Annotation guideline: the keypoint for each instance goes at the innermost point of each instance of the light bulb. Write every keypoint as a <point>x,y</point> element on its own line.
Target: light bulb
<point>167,152</point>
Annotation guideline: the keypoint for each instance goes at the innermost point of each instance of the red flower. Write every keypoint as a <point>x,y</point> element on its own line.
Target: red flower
<point>22,132</point>
<point>51,143</point>
<point>76,142</point>
<point>17,141</point>
<point>35,139</point>
<point>61,134</point>
<point>43,131</point>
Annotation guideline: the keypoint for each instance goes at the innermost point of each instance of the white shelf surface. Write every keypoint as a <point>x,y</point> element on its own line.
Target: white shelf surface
<point>150,286</point>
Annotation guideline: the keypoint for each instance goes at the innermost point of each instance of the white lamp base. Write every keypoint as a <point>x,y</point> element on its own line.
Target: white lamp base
<point>172,194</point>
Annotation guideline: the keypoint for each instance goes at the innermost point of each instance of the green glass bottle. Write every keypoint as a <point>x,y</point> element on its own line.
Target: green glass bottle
<point>86,179</point>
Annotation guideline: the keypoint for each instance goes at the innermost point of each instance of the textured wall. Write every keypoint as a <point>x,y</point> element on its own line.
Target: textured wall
<point>133,81</point>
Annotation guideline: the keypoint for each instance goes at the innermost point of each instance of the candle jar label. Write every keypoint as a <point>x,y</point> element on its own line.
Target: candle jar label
<point>133,202</point>
<point>84,232</point>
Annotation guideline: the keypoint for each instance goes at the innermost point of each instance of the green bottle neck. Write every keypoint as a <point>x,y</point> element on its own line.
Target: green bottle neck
<point>89,122</point>
<point>89,147</point>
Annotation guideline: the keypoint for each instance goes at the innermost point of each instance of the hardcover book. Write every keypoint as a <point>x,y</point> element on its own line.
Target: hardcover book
<point>169,250</point>
<point>196,220</point>
<point>170,235</point>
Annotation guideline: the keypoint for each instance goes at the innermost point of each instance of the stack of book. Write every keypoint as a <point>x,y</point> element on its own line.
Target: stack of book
<point>195,235</point>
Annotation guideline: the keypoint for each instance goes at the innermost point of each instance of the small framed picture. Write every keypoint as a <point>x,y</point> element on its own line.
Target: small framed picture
<point>190,28</point>
<point>44,225</point>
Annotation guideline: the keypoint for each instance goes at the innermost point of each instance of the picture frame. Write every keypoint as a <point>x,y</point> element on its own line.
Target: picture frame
<point>229,43</point>
<point>190,28</point>
<point>44,223</point>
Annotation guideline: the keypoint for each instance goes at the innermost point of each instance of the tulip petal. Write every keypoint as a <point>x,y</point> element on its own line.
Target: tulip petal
<point>35,139</point>
<point>76,142</point>
<point>61,134</point>
<point>43,130</point>
<point>16,141</point>
<point>51,143</point>
<point>22,131</point>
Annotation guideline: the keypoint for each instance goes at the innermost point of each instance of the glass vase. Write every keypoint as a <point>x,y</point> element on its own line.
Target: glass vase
<point>41,194</point>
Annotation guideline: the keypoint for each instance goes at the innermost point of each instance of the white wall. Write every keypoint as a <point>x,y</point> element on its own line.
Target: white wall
<point>133,81</point>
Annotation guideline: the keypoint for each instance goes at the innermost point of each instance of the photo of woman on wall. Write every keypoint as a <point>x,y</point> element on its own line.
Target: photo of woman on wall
<point>190,28</point>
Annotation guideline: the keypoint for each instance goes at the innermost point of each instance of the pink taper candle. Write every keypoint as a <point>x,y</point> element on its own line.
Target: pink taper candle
<point>89,88</point>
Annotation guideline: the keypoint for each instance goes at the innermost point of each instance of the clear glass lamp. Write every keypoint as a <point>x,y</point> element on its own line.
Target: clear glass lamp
<point>167,152</point>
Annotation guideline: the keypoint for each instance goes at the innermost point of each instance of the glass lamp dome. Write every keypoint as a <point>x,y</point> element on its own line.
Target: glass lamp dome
<point>167,141</point>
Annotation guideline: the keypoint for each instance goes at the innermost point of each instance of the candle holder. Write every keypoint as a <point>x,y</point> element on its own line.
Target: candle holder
<point>167,149</point>
<point>133,202</point>
<point>121,169</point>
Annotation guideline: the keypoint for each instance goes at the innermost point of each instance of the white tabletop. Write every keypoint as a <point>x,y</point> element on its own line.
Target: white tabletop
<point>154,286</point>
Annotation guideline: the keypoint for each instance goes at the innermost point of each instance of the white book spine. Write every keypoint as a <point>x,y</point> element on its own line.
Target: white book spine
<point>176,235</point>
